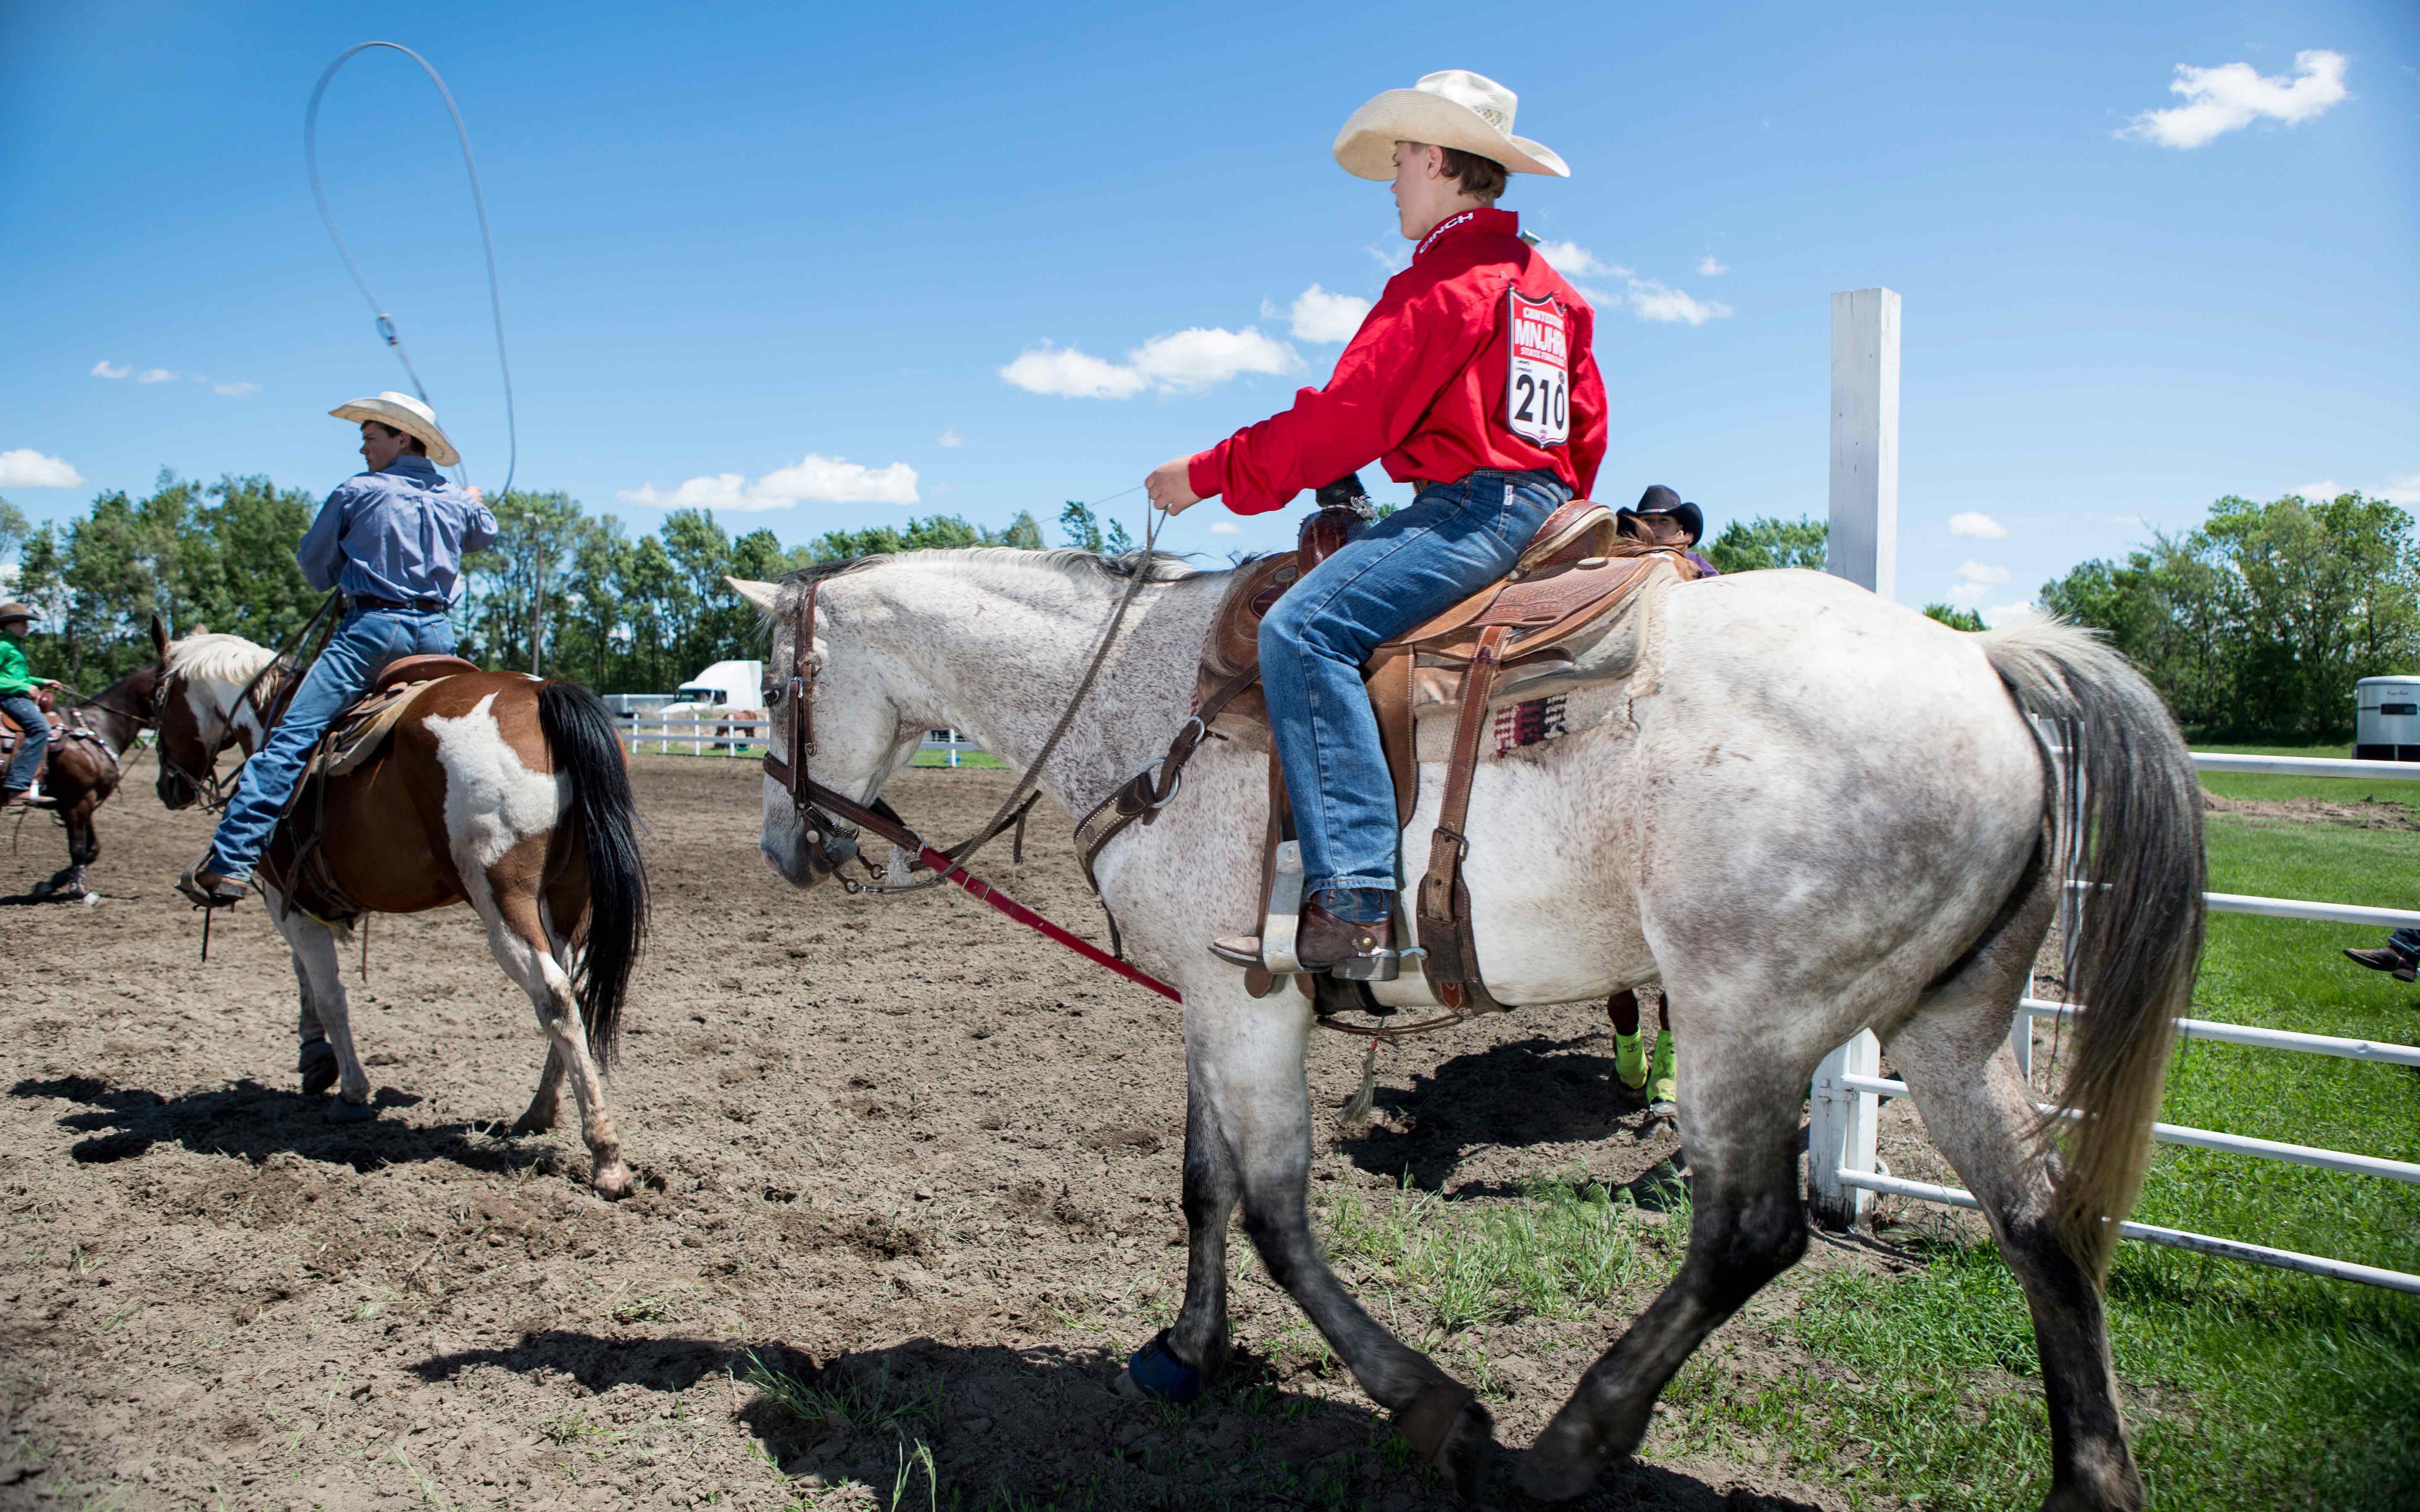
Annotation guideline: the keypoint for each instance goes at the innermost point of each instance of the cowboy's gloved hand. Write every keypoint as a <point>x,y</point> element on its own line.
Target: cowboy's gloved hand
<point>1170,485</point>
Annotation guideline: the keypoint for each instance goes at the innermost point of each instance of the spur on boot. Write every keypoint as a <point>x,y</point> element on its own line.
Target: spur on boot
<point>1355,950</point>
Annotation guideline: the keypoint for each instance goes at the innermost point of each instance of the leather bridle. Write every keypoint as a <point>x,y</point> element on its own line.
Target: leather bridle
<point>823,811</point>
<point>213,790</point>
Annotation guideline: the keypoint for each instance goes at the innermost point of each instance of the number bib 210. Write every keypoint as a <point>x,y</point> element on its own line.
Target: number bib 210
<point>1538,385</point>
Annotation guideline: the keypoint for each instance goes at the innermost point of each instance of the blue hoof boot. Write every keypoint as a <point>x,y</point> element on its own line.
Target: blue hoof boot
<point>1156,1372</point>
<point>340,1111</point>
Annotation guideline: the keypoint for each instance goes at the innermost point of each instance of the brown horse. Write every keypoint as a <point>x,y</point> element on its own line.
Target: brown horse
<point>87,758</point>
<point>495,789</point>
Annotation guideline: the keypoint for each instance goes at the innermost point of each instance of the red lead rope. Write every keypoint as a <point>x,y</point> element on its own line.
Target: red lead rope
<point>977,887</point>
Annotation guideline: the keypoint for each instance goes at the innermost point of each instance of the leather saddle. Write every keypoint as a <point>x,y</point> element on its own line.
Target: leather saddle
<point>1553,615</point>
<point>12,735</point>
<point>1577,577</point>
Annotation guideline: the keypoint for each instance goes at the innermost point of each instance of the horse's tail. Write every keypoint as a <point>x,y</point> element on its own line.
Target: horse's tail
<point>2129,818</point>
<point>581,738</point>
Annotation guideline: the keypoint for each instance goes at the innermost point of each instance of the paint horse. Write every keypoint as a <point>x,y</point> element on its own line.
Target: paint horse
<point>1814,812</point>
<point>86,760</point>
<point>496,789</point>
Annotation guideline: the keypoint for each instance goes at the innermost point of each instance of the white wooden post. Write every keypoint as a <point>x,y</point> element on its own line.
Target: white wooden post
<point>1840,1131</point>
<point>1862,546</point>
<point>1863,542</point>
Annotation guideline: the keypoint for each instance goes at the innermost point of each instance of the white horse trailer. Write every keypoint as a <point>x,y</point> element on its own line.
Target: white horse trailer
<point>2386,719</point>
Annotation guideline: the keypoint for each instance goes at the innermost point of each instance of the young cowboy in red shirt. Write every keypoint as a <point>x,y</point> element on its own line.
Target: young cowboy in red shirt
<point>1472,378</point>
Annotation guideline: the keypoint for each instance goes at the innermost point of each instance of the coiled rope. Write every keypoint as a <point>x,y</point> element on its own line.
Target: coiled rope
<point>487,243</point>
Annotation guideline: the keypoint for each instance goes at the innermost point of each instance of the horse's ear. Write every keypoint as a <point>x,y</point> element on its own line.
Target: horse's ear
<point>766,596</point>
<point>159,638</point>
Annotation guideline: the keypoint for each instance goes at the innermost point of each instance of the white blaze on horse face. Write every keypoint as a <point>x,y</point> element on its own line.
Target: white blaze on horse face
<point>491,798</point>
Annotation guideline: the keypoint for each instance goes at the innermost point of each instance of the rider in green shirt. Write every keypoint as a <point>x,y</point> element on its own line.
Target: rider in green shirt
<point>17,686</point>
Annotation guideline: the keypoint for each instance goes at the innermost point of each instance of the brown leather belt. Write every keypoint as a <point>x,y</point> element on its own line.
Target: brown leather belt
<point>416,606</point>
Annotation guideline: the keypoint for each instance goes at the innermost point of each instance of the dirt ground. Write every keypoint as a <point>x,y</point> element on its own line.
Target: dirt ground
<point>903,1151</point>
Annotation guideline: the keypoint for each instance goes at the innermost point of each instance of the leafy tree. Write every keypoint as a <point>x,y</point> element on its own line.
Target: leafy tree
<point>2258,622</point>
<point>1085,533</point>
<point>14,529</point>
<point>513,617</point>
<point>1957,619</point>
<point>1769,542</point>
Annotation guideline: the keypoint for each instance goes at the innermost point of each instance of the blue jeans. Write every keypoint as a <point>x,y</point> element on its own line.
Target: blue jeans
<point>367,640</point>
<point>1416,563</point>
<point>37,726</point>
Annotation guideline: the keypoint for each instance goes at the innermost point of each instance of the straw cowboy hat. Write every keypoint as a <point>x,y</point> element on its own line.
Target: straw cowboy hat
<point>401,411</point>
<point>1455,108</point>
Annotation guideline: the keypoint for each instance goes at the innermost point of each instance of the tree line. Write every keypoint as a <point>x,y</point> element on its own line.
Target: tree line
<point>621,613</point>
<point>2253,625</point>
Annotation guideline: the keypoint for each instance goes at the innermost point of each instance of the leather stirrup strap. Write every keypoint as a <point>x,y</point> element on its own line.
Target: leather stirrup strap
<point>1442,899</point>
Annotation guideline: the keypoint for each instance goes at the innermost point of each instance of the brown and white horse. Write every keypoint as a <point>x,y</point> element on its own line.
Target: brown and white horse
<point>498,790</point>
<point>86,766</point>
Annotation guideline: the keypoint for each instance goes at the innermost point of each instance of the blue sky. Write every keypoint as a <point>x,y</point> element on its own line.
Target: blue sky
<point>777,258</point>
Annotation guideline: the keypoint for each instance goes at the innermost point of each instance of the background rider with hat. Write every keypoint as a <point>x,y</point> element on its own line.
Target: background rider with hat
<point>393,539</point>
<point>17,686</point>
<point>1472,378</point>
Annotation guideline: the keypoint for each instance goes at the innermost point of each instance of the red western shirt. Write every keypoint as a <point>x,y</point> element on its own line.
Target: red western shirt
<point>1423,386</point>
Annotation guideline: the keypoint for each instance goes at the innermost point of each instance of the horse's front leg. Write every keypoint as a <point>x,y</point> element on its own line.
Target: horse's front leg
<point>325,1018</point>
<point>1173,1365</point>
<point>1249,1055</point>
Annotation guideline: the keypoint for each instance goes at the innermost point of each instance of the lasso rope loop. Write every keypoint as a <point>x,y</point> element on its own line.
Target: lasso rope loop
<point>487,243</point>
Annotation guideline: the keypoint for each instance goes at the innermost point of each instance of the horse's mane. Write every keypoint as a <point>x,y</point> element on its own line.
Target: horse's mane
<point>1153,566</point>
<point>216,657</point>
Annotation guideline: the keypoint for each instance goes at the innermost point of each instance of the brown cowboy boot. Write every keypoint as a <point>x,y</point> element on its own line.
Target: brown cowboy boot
<point>207,889</point>
<point>2387,958</point>
<point>1358,951</point>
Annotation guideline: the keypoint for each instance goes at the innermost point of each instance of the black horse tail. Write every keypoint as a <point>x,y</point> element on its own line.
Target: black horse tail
<point>581,738</point>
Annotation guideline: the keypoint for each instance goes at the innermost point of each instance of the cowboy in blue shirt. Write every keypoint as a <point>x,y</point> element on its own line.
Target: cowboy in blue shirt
<point>393,539</point>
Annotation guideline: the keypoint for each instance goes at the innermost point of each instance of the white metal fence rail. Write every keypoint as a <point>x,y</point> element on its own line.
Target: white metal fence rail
<point>1845,1102</point>
<point>711,736</point>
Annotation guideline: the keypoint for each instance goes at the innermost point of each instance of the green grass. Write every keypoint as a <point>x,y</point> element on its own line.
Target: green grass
<point>982,759</point>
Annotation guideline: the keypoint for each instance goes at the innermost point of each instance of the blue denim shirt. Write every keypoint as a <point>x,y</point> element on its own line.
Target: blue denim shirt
<point>397,533</point>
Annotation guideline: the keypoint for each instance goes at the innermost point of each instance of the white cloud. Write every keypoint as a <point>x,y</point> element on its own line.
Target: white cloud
<point>1319,316</point>
<point>951,437</point>
<point>1975,572</point>
<point>238,389</point>
<point>1710,266</point>
<point>1073,375</point>
<point>1651,300</point>
<point>1573,260</point>
<point>1393,260</point>
<point>1180,361</point>
<point>1996,615</point>
<point>2234,95</point>
<point>1968,596</point>
<point>2400,490</point>
<point>813,479</point>
<point>105,368</point>
<point>155,374</point>
<point>25,468</point>
<point>1225,527</point>
<point>1982,526</point>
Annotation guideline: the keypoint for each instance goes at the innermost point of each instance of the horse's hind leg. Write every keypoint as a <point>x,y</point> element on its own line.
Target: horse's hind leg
<point>1958,1062</point>
<point>1247,1064</point>
<point>1740,1108</point>
<point>522,945</point>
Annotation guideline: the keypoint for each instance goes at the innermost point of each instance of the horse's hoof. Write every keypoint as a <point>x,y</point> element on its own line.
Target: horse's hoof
<point>612,1183</point>
<point>535,1122</point>
<point>1154,1374</point>
<point>341,1111</point>
<point>1558,1467</point>
<point>1447,1427</point>
<point>318,1064</point>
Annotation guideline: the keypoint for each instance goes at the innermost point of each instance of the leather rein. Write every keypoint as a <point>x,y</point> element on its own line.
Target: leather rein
<point>825,810</point>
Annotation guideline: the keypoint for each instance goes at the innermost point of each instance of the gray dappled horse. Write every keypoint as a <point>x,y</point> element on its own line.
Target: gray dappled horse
<point>1817,812</point>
